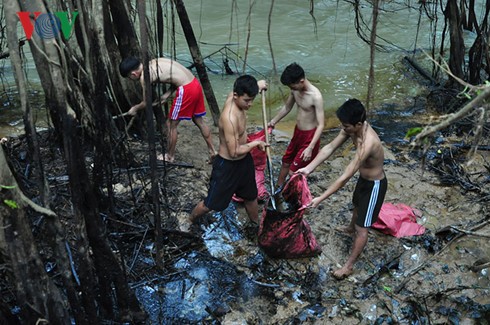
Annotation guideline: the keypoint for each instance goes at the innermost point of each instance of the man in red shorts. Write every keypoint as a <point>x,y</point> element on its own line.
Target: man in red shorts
<point>188,103</point>
<point>305,143</point>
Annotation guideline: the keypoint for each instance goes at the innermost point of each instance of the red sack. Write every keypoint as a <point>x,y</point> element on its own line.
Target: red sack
<point>398,220</point>
<point>260,161</point>
<point>285,234</point>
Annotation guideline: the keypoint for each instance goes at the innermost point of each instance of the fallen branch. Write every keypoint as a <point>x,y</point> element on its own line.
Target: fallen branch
<point>478,101</point>
<point>471,233</point>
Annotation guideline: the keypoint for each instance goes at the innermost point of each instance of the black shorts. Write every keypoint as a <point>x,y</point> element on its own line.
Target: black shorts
<point>231,177</point>
<point>368,198</point>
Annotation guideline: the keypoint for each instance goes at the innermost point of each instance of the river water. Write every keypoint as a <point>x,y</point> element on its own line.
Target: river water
<point>335,59</point>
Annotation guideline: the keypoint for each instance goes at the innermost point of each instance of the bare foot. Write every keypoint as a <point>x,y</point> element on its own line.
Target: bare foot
<point>167,158</point>
<point>342,273</point>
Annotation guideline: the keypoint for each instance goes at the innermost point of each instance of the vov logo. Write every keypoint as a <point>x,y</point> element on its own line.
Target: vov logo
<point>47,25</point>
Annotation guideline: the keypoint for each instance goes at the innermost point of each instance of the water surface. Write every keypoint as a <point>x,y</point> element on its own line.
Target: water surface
<point>335,59</point>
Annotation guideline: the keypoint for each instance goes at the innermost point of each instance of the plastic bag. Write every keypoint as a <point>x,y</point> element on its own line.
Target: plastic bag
<point>286,234</point>
<point>398,220</point>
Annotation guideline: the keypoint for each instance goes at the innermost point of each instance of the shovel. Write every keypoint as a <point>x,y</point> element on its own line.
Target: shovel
<point>268,151</point>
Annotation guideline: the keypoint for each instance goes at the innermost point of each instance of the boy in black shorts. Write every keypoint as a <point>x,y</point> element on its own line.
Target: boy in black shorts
<point>233,168</point>
<point>372,184</point>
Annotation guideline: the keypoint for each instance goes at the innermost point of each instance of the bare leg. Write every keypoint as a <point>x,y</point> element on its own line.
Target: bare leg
<point>360,241</point>
<point>282,174</point>
<point>350,229</point>
<point>199,210</point>
<point>252,208</point>
<point>206,134</point>
<point>171,139</point>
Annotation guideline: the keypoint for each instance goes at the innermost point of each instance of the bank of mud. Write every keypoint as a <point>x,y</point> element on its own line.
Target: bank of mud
<point>433,278</point>
<point>218,275</point>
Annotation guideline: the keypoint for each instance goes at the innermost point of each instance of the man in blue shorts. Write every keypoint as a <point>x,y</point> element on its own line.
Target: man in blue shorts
<point>372,184</point>
<point>233,168</point>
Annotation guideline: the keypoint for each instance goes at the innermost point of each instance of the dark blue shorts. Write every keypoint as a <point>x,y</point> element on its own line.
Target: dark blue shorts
<point>231,177</point>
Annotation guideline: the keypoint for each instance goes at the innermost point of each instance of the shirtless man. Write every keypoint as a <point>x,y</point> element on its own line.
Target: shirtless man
<point>233,168</point>
<point>188,103</point>
<point>305,143</point>
<point>372,184</point>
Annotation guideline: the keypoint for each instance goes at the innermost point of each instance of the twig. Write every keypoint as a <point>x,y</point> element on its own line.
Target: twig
<point>72,264</point>
<point>138,250</point>
<point>268,285</point>
<point>121,115</point>
<point>469,232</point>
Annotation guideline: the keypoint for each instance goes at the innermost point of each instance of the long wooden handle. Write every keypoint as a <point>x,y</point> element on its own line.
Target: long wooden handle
<point>266,129</point>
<point>268,150</point>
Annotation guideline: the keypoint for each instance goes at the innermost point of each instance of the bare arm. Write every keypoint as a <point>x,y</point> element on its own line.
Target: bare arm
<point>135,108</point>
<point>350,170</point>
<point>234,144</point>
<point>283,111</point>
<point>324,153</point>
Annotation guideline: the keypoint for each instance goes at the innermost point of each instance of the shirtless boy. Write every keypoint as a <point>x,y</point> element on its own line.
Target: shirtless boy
<point>188,103</point>
<point>305,142</point>
<point>372,184</point>
<point>233,169</point>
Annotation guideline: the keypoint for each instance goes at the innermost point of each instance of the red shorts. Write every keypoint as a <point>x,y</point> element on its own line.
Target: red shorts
<point>299,142</point>
<point>189,102</point>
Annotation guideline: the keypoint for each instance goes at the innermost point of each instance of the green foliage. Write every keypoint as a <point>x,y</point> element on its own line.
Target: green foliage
<point>11,204</point>
<point>413,131</point>
<point>387,289</point>
<point>465,93</point>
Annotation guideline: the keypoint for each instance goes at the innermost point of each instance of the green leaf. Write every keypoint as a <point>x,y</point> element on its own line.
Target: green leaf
<point>387,289</point>
<point>11,204</point>
<point>7,187</point>
<point>413,131</point>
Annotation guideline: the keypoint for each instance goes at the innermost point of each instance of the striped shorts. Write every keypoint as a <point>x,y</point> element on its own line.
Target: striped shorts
<point>188,102</point>
<point>368,198</point>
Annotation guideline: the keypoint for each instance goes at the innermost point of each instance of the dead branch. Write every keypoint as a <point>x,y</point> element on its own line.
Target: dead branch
<point>454,117</point>
<point>477,102</point>
<point>467,232</point>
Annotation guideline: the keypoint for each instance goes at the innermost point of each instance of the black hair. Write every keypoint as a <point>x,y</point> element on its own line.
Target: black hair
<point>128,65</point>
<point>246,84</point>
<point>292,74</point>
<point>351,112</point>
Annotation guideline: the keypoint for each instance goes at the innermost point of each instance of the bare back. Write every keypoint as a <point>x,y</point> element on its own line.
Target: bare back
<point>169,71</point>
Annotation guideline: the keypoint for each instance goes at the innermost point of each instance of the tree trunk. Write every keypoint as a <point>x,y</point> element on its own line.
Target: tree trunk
<point>456,54</point>
<point>197,57</point>
<point>79,77</point>
<point>37,296</point>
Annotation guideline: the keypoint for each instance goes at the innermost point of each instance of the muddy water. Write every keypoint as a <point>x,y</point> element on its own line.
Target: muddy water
<point>335,59</point>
